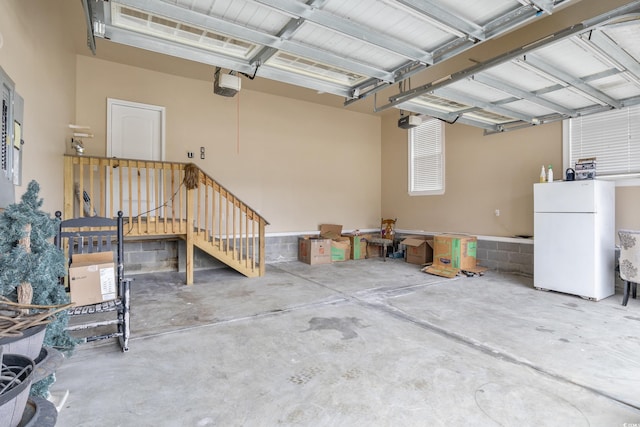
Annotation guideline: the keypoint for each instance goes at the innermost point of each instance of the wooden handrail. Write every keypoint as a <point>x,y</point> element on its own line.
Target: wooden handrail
<point>156,202</point>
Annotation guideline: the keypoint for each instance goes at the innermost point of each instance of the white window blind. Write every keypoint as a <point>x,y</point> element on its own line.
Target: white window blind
<point>613,138</point>
<point>426,158</point>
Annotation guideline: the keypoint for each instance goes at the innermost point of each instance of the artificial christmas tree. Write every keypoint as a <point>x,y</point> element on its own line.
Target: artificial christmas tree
<point>30,269</point>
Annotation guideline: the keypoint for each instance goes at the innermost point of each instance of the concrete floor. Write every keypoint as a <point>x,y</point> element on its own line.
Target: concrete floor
<point>361,343</point>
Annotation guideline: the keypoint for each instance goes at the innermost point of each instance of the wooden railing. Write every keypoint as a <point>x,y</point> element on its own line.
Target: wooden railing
<point>166,199</point>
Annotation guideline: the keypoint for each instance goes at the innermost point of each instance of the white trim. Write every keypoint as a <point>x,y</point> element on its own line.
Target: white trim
<point>627,182</point>
<point>415,232</point>
<point>317,232</point>
<point>565,147</point>
<point>521,240</point>
<point>479,237</point>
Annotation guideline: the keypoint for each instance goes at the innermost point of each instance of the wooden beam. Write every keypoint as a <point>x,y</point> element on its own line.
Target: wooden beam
<point>68,188</point>
<point>189,245</point>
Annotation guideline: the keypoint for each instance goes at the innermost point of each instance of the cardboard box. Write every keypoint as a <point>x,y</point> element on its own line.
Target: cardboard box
<point>453,250</point>
<point>374,251</point>
<point>92,278</point>
<point>340,249</point>
<point>418,249</point>
<point>451,272</point>
<point>340,245</point>
<point>442,271</point>
<point>314,251</point>
<point>330,231</point>
<point>358,246</point>
<point>371,251</point>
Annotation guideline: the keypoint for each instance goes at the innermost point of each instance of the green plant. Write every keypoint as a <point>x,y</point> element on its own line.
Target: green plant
<point>31,265</point>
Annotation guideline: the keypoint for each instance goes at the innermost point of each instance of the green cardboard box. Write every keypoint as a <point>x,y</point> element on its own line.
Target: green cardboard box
<point>455,250</point>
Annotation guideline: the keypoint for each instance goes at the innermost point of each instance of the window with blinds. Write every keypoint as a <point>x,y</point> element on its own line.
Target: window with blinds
<point>613,138</point>
<point>426,158</point>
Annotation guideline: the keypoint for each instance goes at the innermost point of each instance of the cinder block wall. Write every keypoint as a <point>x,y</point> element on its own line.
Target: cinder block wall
<point>146,256</point>
<point>281,248</point>
<point>168,255</point>
<point>511,257</point>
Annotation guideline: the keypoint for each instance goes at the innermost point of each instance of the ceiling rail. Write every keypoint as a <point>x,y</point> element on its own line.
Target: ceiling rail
<point>629,9</point>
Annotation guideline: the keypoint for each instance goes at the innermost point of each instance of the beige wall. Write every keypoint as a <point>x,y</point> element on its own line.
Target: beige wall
<point>628,208</point>
<point>299,164</point>
<point>38,55</point>
<point>483,173</point>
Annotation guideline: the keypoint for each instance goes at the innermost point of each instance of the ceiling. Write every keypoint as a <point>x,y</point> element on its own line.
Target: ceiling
<point>384,51</point>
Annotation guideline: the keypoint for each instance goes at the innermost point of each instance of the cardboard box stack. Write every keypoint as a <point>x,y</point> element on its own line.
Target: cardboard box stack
<point>332,246</point>
<point>92,278</point>
<point>340,245</point>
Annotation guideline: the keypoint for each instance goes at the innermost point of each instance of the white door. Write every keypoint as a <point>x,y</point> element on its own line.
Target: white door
<point>135,131</point>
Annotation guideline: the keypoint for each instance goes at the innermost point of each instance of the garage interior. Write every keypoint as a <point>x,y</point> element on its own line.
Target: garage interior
<point>358,343</point>
<point>297,105</point>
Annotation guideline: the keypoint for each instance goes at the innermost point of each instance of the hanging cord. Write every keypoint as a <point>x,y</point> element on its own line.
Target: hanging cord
<point>164,205</point>
<point>254,73</point>
<point>238,125</point>
<point>450,122</point>
<point>190,182</point>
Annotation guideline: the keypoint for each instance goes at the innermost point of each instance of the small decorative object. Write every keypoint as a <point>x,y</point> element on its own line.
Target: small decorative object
<point>191,176</point>
<point>586,168</point>
<point>570,174</point>
<point>79,132</point>
<point>76,144</point>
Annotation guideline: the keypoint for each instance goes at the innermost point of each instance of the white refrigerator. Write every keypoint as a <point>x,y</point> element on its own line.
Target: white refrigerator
<point>574,237</point>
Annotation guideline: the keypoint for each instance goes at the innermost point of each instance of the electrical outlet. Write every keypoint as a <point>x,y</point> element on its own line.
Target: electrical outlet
<point>202,153</point>
<point>190,154</point>
<point>497,212</point>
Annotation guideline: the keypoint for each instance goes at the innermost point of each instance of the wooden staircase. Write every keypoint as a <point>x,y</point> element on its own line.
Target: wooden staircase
<point>165,200</point>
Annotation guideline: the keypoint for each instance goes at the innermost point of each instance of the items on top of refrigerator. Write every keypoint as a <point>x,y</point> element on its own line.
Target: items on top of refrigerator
<point>586,168</point>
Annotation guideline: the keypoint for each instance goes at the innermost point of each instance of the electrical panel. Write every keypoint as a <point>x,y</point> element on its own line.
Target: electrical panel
<point>11,139</point>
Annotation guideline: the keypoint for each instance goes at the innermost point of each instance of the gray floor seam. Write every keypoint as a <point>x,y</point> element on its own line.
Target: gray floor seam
<point>262,315</point>
<point>498,354</point>
<point>495,353</point>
